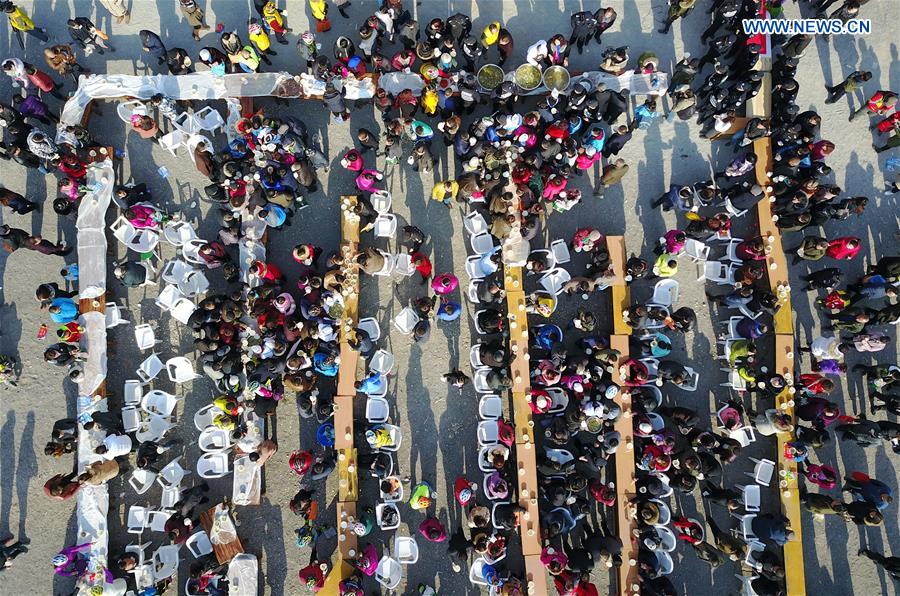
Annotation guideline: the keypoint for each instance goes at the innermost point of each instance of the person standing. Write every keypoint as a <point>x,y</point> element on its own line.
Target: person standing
<point>61,58</point>
<point>118,9</point>
<point>21,23</point>
<point>848,85</point>
<point>584,27</point>
<point>194,16</point>
<point>86,34</point>
<point>153,45</point>
<point>677,9</point>
<point>9,550</point>
<point>319,11</point>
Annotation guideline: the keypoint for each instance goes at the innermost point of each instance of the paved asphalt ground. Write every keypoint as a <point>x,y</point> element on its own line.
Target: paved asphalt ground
<point>439,424</point>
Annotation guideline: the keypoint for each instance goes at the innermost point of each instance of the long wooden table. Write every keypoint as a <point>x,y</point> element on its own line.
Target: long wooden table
<point>348,478</point>
<point>778,277</point>
<point>526,463</point>
<point>224,552</point>
<point>626,575</point>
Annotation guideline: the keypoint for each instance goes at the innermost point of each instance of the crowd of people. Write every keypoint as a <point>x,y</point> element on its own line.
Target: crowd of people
<point>264,333</point>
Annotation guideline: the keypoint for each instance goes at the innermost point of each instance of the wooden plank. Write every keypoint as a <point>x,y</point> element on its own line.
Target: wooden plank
<point>760,106</point>
<point>526,474</point>
<point>737,124</point>
<point>617,256</point>
<point>246,107</point>
<point>536,575</point>
<point>777,265</point>
<point>345,511</point>
<point>522,419</point>
<point>348,484</point>
<point>518,342</point>
<point>627,575</point>
<point>224,552</point>
<point>619,290</point>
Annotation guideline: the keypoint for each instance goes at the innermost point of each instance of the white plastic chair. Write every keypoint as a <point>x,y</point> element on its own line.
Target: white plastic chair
<point>381,201</point>
<point>666,564</point>
<point>199,545</point>
<point>191,251</point>
<point>170,496</point>
<point>131,419</point>
<point>743,435</point>
<point>141,480</point>
<point>379,516</point>
<point>554,280</point>
<point>174,270</point>
<point>665,514</point>
<point>652,365</point>
<point>114,315</point>
<point>406,551</point>
<point>177,233</point>
<point>473,267</point>
<point>475,356</point>
<point>481,242</point>
<point>403,265</point>
<point>406,320</point>
<point>697,251</point>
<point>388,266</point>
<point>560,252</point>
<point>747,526</point>
<point>172,474</point>
<point>396,438</point>
<point>183,309</point>
<point>156,519</point>
<point>132,393</point>
<point>168,297</point>
<point>370,326</point>
<point>490,407</point>
<point>692,380</point>
<point>475,223</point>
<point>204,417</point>
<point>388,573</point>
<point>145,337</point>
<point>388,497</point>
<point>141,241</point>
<point>377,410</point>
<point>472,292</point>
<point>732,210</point>
<point>173,141</point>
<point>149,368</point>
<point>752,549</point>
<point>762,471</point>
<point>159,403</point>
<point>731,251</point>
<point>479,380</point>
<point>180,369</point>
<point>127,109</point>
<point>717,272</point>
<point>208,118</point>
<point>667,537</point>
<point>476,572</point>
<point>153,428</point>
<point>484,463</point>
<point>488,433</point>
<point>750,496</point>
<point>137,519</point>
<point>559,400</point>
<point>665,293</point>
<point>193,284</point>
<point>214,440</point>
<point>382,362</point>
<point>165,562</point>
<point>385,225</point>
<point>213,465</point>
<point>735,380</point>
<point>186,123</point>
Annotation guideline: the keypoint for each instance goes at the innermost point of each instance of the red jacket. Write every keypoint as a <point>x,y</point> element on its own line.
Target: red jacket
<point>839,248</point>
<point>42,81</point>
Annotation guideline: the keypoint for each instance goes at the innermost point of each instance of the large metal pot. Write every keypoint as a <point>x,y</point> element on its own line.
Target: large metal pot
<point>490,76</point>
<point>556,77</point>
<point>528,77</point>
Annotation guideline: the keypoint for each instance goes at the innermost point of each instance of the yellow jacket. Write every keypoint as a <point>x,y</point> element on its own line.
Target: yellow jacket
<point>430,102</point>
<point>20,20</point>
<point>318,9</point>
<point>488,36</point>
<point>662,269</point>
<point>260,39</point>
<point>439,193</point>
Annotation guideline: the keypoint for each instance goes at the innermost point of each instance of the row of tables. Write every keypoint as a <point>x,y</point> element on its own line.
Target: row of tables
<point>777,274</point>
<point>348,479</point>
<point>627,581</point>
<point>526,462</point>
